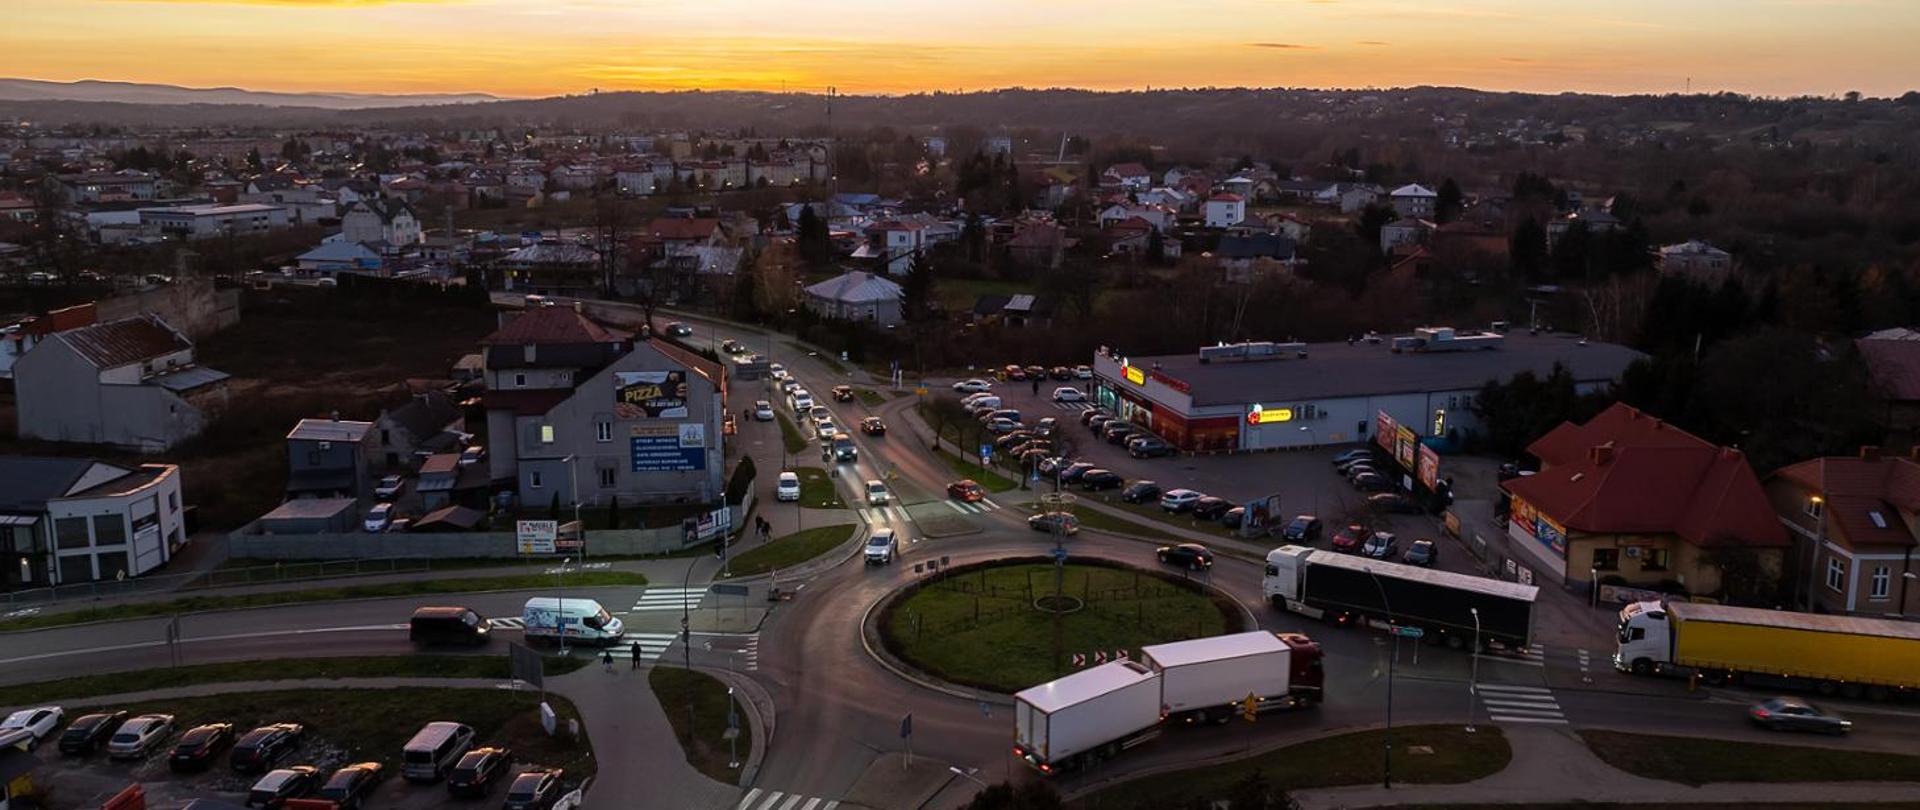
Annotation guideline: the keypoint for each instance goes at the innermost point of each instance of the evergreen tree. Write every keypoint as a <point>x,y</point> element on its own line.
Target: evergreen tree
<point>1447,207</point>
<point>815,242</point>
<point>1528,249</point>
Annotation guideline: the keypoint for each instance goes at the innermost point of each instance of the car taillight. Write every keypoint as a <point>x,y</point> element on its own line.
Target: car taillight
<point>1761,713</point>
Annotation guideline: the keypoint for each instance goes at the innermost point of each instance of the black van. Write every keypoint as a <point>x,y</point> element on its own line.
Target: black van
<point>447,625</point>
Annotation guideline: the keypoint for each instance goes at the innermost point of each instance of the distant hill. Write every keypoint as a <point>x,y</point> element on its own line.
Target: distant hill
<point>137,93</point>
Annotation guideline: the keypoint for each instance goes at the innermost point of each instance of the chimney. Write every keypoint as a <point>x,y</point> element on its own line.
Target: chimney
<point>335,416</point>
<point>1869,452</point>
<point>1600,455</point>
<point>580,307</point>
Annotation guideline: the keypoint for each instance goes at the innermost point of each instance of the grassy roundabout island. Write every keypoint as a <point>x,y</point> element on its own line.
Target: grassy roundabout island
<point>985,625</point>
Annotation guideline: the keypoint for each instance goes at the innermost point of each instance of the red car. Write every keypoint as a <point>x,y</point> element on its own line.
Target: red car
<point>1350,538</point>
<point>966,491</point>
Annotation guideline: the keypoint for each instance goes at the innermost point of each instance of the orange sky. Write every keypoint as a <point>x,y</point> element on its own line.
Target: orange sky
<point>546,47</point>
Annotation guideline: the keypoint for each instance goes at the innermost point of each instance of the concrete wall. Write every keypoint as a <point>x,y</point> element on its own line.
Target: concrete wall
<point>359,545</point>
<point>192,306</point>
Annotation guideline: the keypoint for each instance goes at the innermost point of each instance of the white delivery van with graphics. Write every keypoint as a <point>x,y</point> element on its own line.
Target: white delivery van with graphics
<point>581,621</point>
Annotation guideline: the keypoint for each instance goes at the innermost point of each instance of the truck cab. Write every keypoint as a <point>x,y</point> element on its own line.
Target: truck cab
<point>1281,585</point>
<point>1645,643</point>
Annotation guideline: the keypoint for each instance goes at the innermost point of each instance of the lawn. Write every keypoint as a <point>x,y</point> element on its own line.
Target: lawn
<point>575,579</point>
<point>870,397</point>
<point>790,435</point>
<point>817,490</point>
<point>789,551</point>
<point>1694,761</point>
<point>832,363</point>
<point>1152,511</point>
<point>373,724</point>
<point>1348,759</point>
<point>703,734</point>
<point>993,481</point>
<point>408,666</point>
<point>979,627</point>
<point>1101,521</point>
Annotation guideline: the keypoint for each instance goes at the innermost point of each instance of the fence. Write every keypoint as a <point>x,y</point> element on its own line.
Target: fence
<point>352,545</point>
<point>218,578</point>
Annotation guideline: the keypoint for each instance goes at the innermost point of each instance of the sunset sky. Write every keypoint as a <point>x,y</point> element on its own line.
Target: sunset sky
<point>547,47</point>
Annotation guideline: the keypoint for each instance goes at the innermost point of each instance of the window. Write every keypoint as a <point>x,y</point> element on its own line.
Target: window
<point>519,380</point>
<point>70,532</point>
<point>1836,573</point>
<point>173,501</point>
<point>527,352</point>
<point>109,530</point>
<point>1814,506</point>
<point>1606,559</point>
<point>1879,584</point>
<point>603,432</point>
<point>533,480</point>
<point>1654,560</point>
<point>546,434</point>
<point>386,437</point>
<point>607,477</point>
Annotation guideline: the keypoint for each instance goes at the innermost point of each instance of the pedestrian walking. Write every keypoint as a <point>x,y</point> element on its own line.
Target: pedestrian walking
<point>636,655</point>
<point>606,659</point>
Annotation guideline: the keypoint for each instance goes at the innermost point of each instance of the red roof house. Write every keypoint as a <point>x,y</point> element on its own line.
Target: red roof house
<point>1863,511</point>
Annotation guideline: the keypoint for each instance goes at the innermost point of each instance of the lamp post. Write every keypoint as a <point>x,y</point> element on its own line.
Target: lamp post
<point>1473,682</point>
<point>1386,779</point>
<point>1313,440</point>
<point>560,606</point>
<point>573,488</point>
<point>1813,553</point>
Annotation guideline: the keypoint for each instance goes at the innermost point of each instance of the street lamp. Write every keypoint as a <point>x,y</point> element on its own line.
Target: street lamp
<point>1473,682</point>
<point>1386,779</point>
<point>1813,553</point>
<point>560,607</point>
<point>573,488</point>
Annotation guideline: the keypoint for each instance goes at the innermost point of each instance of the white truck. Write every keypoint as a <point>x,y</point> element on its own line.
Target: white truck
<point>1095,714</point>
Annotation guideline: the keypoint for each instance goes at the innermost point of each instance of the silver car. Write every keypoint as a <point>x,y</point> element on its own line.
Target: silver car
<point>140,735</point>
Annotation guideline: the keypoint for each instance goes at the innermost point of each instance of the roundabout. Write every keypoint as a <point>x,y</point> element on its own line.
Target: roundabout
<point>1004,625</point>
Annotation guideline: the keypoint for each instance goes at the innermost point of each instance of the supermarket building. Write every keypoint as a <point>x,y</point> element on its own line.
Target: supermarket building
<point>1266,396</point>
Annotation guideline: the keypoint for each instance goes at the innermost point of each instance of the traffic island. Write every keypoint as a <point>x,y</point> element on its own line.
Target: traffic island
<point>991,625</point>
<point>709,723</point>
<point>789,551</point>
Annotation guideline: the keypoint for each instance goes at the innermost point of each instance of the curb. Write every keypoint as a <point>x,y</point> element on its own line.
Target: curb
<point>760,717</point>
<point>867,630</point>
<point>810,568</point>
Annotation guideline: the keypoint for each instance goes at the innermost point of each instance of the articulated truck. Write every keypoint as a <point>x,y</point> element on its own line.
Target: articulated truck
<point>1846,655</point>
<point>1095,714</point>
<point>1342,588</point>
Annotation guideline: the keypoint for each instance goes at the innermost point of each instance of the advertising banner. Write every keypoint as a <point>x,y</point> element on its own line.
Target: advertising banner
<point>713,524</point>
<point>650,394</point>
<point>536,536</point>
<point>1522,516</point>
<point>1384,429</point>
<point>1429,471</point>
<point>1550,534</point>
<point>1262,515</point>
<point>1404,441</point>
<point>669,448</point>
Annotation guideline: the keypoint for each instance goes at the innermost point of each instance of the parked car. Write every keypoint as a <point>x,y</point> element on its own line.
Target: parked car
<point>1148,447</point>
<point>1046,426</point>
<point>1032,454</point>
<point>975,397</point>
<point>1179,500</point>
<point>972,386</point>
<point>872,426</point>
<point>1067,393</point>
<point>1054,465</point>
<point>1001,424</point>
<point>1060,373</point>
<point>1352,455</point>
<point>1054,523</point>
<point>787,487</point>
<point>473,776</point>
<point>1087,416</point>
<point>678,329</point>
<point>86,734</point>
<point>1098,479</point>
<point>1006,441</point>
<point>136,737</point>
<point>966,490</point>
<point>1393,502</point>
<point>1118,432</point>
<point>843,393</point>
<point>260,748</point>
<point>1302,529</point>
<point>1099,422</point>
<point>1083,372</point>
<point>1209,507</point>
<point>1014,373</point>
<point>1422,553</point>
<point>1793,714</point>
<point>1360,467</point>
<point>1191,556</point>
<point>378,517</point>
<point>1232,518</point>
<point>1140,492</point>
<point>348,787</point>
<point>389,487</point>
<point>1004,413</point>
<point>1372,482</point>
<point>274,789</point>
<point>1072,472</point>
<point>37,722</point>
<point>534,790</point>
<point>1380,546</point>
<point>196,748</point>
<point>762,411</point>
<point>1036,372</point>
<point>1350,538</point>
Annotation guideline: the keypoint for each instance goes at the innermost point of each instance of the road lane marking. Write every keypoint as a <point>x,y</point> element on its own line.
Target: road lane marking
<point>791,802</point>
<point>772,798</point>
<point>140,645</point>
<point>664,599</point>
<point>751,795</point>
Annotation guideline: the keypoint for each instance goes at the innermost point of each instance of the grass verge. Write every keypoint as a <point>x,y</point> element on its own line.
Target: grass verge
<point>702,733</point>
<point>993,481</point>
<point>1695,761</point>
<point>790,435</point>
<point>373,724</point>
<point>789,551</point>
<point>1101,521</point>
<point>1348,759</point>
<point>870,397</point>
<point>399,666</point>
<point>979,626</point>
<point>575,579</point>
<point>817,490</point>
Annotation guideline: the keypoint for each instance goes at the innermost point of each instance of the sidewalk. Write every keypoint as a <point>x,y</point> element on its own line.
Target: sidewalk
<point>1552,766</point>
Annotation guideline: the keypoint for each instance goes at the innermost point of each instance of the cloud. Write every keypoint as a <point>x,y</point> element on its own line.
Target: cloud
<point>1373,42</point>
<point>1517,60</point>
<point>297,3</point>
<point>1283,46</point>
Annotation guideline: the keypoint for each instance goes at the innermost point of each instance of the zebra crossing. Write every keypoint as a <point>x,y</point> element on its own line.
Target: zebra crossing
<point>1520,704</point>
<point>751,652</point>
<point>652,645</point>
<point>980,507</point>
<point>1072,406</point>
<point>513,623</point>
<point>877,515</point>
<point>664,599</point>
<point>776,800</point>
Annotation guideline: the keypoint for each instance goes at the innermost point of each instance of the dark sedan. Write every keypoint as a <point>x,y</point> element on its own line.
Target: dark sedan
<point>1118,432</point>
<point>1186,555</point>
<point>477,770</point>
<point>1148,447</point>
<point>1072,472</point>
<point>274,789</point>
<point>197,747</point>
<point>1302,529</point>
<point>534,790</point>
<point>1087,416</point>
<point>1141,492</point>
<point>1210,508</point>
<point>1234,517</point>
<point>1060,373</point>
<point>1393,502</point>
<point>86,735</point>
<point>1097,479</point>
<point>1793,714</point>
<point>1372,482</point>
<point>264,746</point>
<point>348,787</point>
<point>1422,553</point>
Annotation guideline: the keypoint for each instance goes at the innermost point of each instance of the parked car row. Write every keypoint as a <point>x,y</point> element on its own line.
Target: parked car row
<point>1139,441</point>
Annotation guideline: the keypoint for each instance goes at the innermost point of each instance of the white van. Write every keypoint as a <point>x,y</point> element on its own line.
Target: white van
<point>788,488</point>
<point>433,751</point>
<point>582,621</point>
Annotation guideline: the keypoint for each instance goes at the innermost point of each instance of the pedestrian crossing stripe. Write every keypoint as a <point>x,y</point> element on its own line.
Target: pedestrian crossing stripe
<point>1073,406</point>
<point>753,652</point>
<point>652,645</point>
<point>976,508</point>
<point>664,599</point>
<point>1520,704</point>
<point>876,515</point>
<point>776,800</point>
<point>507,624</point>
<point>1534,656</point>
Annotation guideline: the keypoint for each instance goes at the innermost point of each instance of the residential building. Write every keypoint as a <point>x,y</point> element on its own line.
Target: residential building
<point>1127,176</point>
<point>330,458</point>
<point>1628,497</point>
<point>130,383</point>
<point>99,187</point>
<point>1892,358</point>
<point>1351,197</point>
<point>579,411</point>
<point>1244,258</point>
<point>209,221</point>
<point>428,422</point>
<point>1159,216</point>
<point>1043,245</point>
<point>1225,210</point>
<point>65,521</point>
<point>381,220</point>
<point>1855,522</point>
<point>856,296</point>
<point>1594,220</point>
<point>892,245</point>
<point>1404,232</point>
<point>18,339</point>
<point>444,481</point>
<point>635,181</point>
<point>1413,201</point>
<point>1694,260</point>
<point>339,256</point>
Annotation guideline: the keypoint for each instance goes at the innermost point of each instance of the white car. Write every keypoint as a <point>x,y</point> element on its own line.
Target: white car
<point>38,722</point>
<point>788,487</point>
<point>1083,372</point>
<point>1179,500</point>
<point>825,428</point>
<point>138,736</point>
<point>1068,394</point>
<point>389,487</point>
<point>973,386</point>
<point>1380,546</point>
<point>778,371</point>
<point>378,517</point>
<point>763,411</point>
<point>881,547</point>
<point>819,412</point>
<point>877,493</point>
<point>975,397</point>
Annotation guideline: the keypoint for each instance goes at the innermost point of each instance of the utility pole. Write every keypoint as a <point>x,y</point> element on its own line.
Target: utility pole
<point>1386,778</point>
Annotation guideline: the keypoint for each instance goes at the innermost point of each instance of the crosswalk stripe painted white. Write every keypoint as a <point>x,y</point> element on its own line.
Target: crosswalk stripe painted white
<point>772,799</point>
<point>1504,687</point>
<point>1510,703</point>
<point>751,795</point>
<point>811,803</point>
<point>791,802</point>
<point>669,598</point>
<point>976,508</point>
<point>1545,721</point>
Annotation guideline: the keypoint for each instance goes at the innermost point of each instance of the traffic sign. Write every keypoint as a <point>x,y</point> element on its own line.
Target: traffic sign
<point>1060,555</point>
<point>986,452</point>
<point>1404,631</point>
<point>1079,659</point>
<point>1250,708</point>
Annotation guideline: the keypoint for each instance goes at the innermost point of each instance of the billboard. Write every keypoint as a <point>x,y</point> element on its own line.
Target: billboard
<point>713,524</point>
<point>1522,516</point>
<point>1261,515</point>
<point>536,536</point>
<point>650,394</point>
<point>1403,443</point>
<point>669,448</point>
<point>1550,534</point>
<point>1383,430</point>
<point>1429,469</point>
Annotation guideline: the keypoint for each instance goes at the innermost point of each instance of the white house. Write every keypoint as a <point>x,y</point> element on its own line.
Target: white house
<point>1159,216</point>
<point>209,221</point>
<point>1407,231</point>
<point>381,219</point>
<point>636,182</point>
<point>894,243</point>
<point>1129,176</point>
<point>73,520</point>
<point>1351,197</point>
<point>1413,201</point>
<point>1223,210</point>
<point>1695,260</point>
<point>856,296</point>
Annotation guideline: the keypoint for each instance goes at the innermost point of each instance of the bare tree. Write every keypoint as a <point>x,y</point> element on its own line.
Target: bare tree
<point>946,413</point>
<point>613,222</point>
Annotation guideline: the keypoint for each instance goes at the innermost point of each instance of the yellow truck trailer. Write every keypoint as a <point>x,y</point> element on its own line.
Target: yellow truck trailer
<point>1851,655</point>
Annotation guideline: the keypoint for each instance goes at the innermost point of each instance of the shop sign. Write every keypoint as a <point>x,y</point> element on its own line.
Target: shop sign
<point>1266,416</point>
